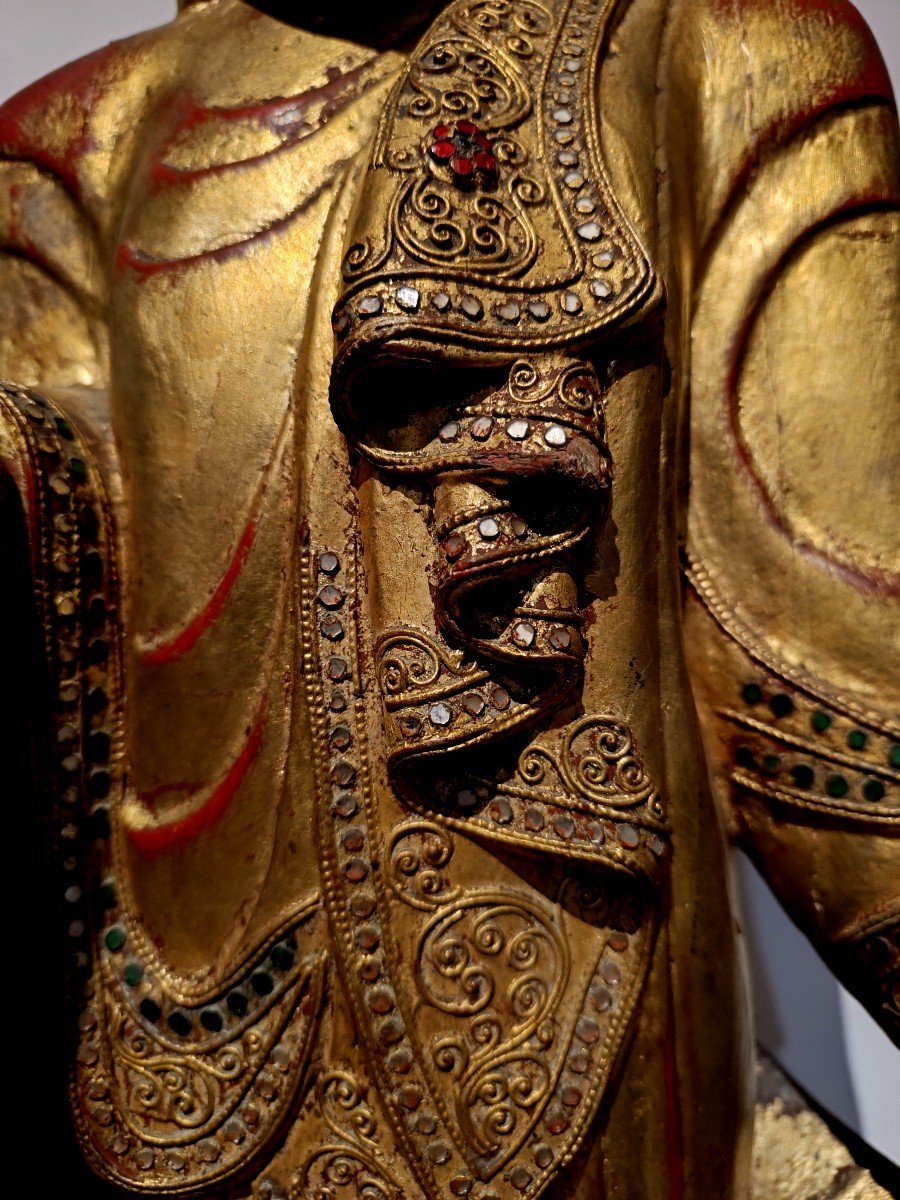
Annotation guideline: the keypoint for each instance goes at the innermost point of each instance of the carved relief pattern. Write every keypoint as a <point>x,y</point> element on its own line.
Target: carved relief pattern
<point>473,71</point>
<point>596,760</point>
<point>489,1076</point>
<point>498,964</point>
<point>495,237</point>
<point>581,791</point>
<point>351,1166</point>
<point>467,258</point>
<point>175,1113</point>
<point>800,748</point>
<point>545,424</point>
<point>169,1093</point>
<point>415,674</point>
<point>462,705</point>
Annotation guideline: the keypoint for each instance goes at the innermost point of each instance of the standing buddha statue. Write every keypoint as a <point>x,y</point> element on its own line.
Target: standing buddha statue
<point>445,489</point>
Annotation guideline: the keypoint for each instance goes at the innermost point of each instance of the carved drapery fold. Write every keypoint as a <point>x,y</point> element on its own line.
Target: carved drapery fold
<point>174,1087</point>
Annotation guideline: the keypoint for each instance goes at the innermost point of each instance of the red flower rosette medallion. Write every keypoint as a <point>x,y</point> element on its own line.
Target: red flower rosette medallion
<point>465,150</point>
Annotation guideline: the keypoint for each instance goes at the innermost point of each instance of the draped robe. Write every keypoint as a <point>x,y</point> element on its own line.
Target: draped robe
<point>434,573</point>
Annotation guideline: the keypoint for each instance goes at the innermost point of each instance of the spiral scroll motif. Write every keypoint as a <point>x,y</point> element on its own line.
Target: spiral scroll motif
<point>519,24</point>
<point>350,1166</point>
<point>491,1013</point>
<point>419,854</point>
<point>537,253</point>
<point>597,761</point>
<point>180,1093</point>
<point>496,964</point>
<point>164,1103</point>
<point>460,76</point>
<point>438,226</point>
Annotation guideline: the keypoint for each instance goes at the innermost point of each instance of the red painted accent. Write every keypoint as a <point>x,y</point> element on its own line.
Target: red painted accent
<point>171,651</point>
<point>148,799</point>
<point>20,116</point>
<point>286,116</point>
<point>808,101</point>
<point>150,843</point>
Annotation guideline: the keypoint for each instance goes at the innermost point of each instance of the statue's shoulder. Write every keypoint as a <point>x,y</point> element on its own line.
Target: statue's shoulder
<point>83,122</point>
<point>747,78</point>
<point>810,47</point>
<point>71,122</point>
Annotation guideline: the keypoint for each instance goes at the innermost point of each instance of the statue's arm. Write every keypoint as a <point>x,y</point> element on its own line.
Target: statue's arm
<point>791,475</point>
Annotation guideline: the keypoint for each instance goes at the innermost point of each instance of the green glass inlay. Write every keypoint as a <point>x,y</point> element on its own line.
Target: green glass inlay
<point>282,958</point>
<point>237,1002</point>
<point>78,468</point>
<point>803,776</point>
<point>873,790</point>
<point>150,1009</point>
<point>894,756</point>
<point>744,757</point>
<point>856,739</point>
<point>133,974</point>
<point>211,1019</point>
<point>115,938</point>
<point>108,894</point>
<point>771,763</point>
<point>752,693</point>
<point>821,721</point>
<point>837,786</point>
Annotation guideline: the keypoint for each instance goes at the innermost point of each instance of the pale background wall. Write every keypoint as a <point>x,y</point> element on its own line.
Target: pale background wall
<point>816,1029</point>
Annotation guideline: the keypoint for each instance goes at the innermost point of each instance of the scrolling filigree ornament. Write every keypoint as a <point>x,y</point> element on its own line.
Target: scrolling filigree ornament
<point>173,1113</point>
<point>493,1034</point>
<point>497,964</point>
<point>494,1031</point>
<point>177,1084</point>
<point>350,1164</point>
<point>538,252</point>
<point>545,426</point>
<point>494,964</point>
<point>581,791</point>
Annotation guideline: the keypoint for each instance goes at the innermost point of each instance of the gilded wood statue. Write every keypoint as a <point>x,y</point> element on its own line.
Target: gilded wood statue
<point>448,472</point>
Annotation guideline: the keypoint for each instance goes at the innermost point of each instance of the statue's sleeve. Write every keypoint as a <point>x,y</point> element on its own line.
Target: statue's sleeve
<point>784,186</point>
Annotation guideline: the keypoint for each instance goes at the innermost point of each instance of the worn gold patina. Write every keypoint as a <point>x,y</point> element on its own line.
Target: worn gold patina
<point>454,485</point>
